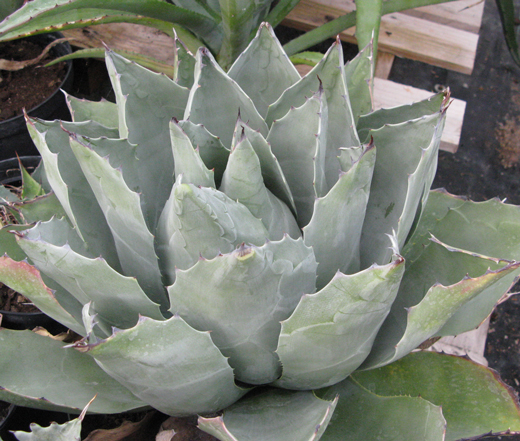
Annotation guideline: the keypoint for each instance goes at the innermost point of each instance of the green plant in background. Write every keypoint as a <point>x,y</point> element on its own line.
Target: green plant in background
<point>258,243</point>
<point>224,26</point>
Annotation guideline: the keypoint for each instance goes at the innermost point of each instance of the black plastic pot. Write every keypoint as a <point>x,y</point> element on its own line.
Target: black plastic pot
<point>10,175</point>
<point>14,137</point>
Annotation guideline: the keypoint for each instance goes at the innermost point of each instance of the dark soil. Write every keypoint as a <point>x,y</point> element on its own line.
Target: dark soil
<point>28,87</point>
<point>12,301</point>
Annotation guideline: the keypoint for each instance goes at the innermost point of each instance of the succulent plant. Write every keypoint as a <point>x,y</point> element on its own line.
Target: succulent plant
<point>239,240</point>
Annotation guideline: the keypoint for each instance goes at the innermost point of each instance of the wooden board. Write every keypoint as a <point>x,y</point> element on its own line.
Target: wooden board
<point>444,35</point>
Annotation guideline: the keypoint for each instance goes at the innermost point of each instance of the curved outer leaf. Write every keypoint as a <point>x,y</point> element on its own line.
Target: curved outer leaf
<point>169,365</point>
<point>219,112</point>
<point>26,280</point>
<point>418,315</point>
<point>66,14</point>
<point>103,112</point>
<point>202,222</point>
<point>122,209</point>
<point>71,430</point>
<point>294,143</point>
<point>147,102</point>
<point>63,379</point>
<point>405,167</point>
<point>241,298</point>
<point>345,316</point>
<point>473,399</point>
<point>488,228</point>
<point>117,299</point>
<point>272,415</point>
<point>70,185</point>
<point>188,162</point>
<point>366,415</point>
<point>334,230</point>
<point>243,182</point>
<point>263,70</point>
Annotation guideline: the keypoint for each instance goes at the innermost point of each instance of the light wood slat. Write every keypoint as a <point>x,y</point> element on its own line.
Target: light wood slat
<point>462,14</point>
<point>384,64</point>
<point>125,36</point>
<point>390,94</point>
<point>401,34</point>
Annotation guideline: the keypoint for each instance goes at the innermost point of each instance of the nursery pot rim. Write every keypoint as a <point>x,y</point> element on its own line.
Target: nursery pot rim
<point>67,79</point>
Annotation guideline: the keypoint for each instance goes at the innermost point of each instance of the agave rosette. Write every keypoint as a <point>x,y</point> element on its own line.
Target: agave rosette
<point>217,232</point>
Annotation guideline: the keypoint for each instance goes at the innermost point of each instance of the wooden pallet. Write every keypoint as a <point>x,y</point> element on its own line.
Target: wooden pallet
<point>443,35</point>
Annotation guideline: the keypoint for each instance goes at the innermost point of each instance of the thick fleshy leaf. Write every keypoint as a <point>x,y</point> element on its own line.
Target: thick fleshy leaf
<point>41,208</point>
<point>241,298</point>
<point>188,162</point>
<point>219,111</point>
<point>68,431</point>
<point>272,173</point>
<point>63,379</point>
<point>345,315</point>
<point>202,222</point>
<point>103,112</point>
<point>147,101</point>
<point>334,230</point>
<point>211,150</point>
<point>26,280</point>
<point>405,167</point>
<point>337,127</point>
<point>420,312</point>
<point>117,299</point>
<point>185,65</point>
<point>122,209</point>
<point>170,366</point>
<point>243,182</point>
<point>293,142</point>
<point>363,414</point>
<point>358,76</point>
<point>272,415</point>
<point>486,228</point>
<point>263,70</point>
<point>471,407</point>
<point>8,243</point>
<point>70,185</point>
<point>397,115</point>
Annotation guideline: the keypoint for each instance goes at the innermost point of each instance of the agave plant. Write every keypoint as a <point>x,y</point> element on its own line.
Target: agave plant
<point>258,243</point>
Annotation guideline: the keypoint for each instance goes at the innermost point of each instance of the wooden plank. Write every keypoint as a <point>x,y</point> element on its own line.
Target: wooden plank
<point>390,94</point>
<point>462,14</point>
<point>384,64</point>
<point>401,34</point>
<point>125,36</point>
